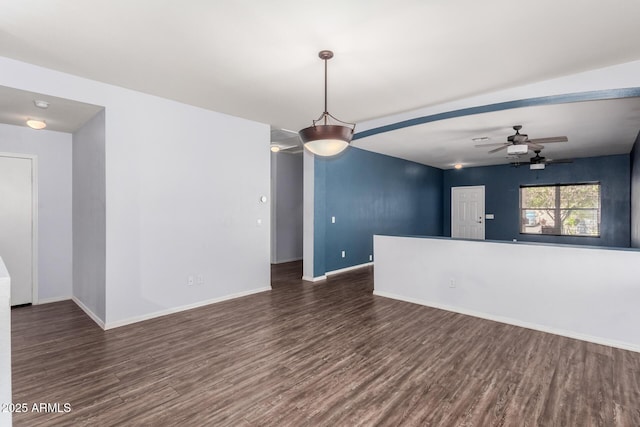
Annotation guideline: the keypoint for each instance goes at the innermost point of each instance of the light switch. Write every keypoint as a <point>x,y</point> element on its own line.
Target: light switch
<point>488,216</point>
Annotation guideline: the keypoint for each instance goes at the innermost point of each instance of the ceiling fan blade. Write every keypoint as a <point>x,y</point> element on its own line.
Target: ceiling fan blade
<point>534,146</point>
<point>495,150</point>
<point>549,140</point>
<point>559,161</point>
<point>492,144</point>
<point>292,150</point>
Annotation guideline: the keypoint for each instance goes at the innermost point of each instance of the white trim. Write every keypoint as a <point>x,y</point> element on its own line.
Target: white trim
<point>5,343</point>
<point>34,219</point>
<point>314,279</point>
<point>273,167</point>
<point>136,319</point>
<point>54,299</point>
<point>308,229</point>
<point>334,272</point>
<point>344,270</point>
<point>89,313</point>
<point>515,322</point>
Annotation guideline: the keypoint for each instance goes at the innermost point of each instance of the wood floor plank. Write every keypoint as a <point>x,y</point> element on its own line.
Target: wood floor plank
<point>325,354</point>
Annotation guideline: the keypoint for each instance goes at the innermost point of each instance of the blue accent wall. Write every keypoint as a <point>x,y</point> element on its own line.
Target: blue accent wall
<point>635,194</point>
<point>370,193</point>
<point>502,197</point>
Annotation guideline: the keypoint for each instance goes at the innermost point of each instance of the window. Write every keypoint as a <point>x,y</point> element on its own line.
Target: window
<point>561,210</point>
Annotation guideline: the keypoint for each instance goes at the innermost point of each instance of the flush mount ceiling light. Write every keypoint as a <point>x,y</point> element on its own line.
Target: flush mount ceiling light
<point>322,138</point>
<point>458,166</point>
<point>36,124</point>
<point>275,148</point>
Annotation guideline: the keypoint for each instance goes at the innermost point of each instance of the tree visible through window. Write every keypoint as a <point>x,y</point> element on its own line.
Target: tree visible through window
<point>565,210</point>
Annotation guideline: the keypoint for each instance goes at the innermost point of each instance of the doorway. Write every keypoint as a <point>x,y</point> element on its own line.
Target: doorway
<point>467,212</point>
<point>18,224</point>
<point>286,207</point>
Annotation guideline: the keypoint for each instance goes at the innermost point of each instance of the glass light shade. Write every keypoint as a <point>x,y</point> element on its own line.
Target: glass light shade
<point>326,140</point>
<point>36,124</point>
<point>275,148</point>
<point>326,147</point>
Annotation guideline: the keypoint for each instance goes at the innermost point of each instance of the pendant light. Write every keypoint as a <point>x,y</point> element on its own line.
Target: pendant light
<point>322,138</point>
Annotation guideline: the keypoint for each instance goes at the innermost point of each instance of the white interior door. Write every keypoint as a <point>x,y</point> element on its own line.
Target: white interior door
<point>16,225</point>
<point>467,212</point>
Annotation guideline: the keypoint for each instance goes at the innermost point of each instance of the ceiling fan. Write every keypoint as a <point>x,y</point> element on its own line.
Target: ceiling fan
<point>539,162</point>
<point>519,143</point>
<point>285,141</point>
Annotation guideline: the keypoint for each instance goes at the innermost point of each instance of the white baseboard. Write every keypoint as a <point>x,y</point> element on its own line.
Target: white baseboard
<point>50,300</point>
<point>282,261</point>
<point>89,313</point>
<point>334,272</point>
<point>344,270</point>
<point>314,279</point>
<point>136,319</point>
<point>515,322</point>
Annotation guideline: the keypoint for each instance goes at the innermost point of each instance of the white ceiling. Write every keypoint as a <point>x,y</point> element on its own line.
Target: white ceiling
<point>593,128</point>
<point>258,59</point>
<point>62,115</point>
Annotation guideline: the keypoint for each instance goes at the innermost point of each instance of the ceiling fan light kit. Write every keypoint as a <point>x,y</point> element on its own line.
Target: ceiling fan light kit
<point>322,138</point>
<point>517,149</point>
<point>539,162</point>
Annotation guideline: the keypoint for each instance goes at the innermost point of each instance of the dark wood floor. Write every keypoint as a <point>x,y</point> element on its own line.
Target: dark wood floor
<point>315,354</point>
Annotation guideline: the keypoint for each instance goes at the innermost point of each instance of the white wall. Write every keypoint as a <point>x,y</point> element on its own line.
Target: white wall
<point>585,293</point>
<point>89,227</point>
<point>54,204</point>
<point>286,193</point>
<point>182,196</point>
<point>5,343</point>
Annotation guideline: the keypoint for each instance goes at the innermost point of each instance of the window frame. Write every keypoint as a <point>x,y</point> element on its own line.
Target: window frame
<point>559,208</point>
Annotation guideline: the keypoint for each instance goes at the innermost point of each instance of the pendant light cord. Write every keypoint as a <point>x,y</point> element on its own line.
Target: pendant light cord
<point>326,111</point>
<point>325,55</point>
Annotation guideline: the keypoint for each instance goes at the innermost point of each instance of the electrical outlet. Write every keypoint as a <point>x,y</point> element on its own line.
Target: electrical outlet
<point>344,254</point>
<point>200,279</point>
<point>370,257</point>
<point>452,283</point>
<point>190,281</point>
<point>333,220</point>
